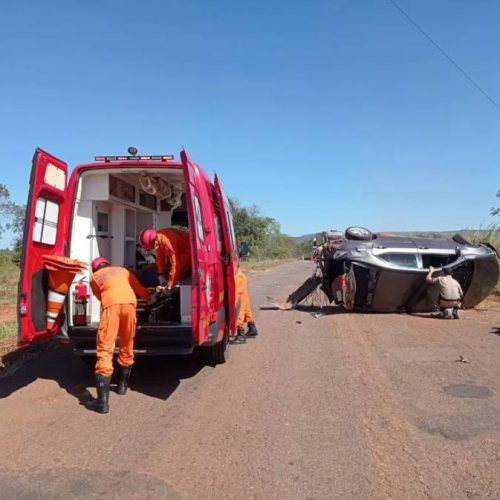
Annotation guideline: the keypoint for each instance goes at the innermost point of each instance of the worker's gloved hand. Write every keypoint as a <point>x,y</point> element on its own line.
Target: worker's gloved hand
<point>163,290</point>
<point>152,299</point>
<point>162,279</point>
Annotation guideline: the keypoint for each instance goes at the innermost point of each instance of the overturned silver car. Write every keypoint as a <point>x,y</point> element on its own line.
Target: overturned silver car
<point>385,273</point>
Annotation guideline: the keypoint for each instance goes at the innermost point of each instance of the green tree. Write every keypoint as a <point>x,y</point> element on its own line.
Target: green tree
<point>263,234</point>
<point>11,215</point>
<point>496,210</point>
<point>250,226</point>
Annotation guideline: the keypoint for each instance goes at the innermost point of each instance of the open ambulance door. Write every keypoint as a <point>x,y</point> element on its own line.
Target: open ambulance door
<point>231,255</point>
<point>45,232</point>
<point>200,312</point>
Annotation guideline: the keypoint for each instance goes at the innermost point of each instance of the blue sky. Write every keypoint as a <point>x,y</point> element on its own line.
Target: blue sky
<point>323,113</point>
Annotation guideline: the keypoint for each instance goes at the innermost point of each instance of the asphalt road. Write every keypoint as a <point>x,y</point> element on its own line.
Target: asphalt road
<point>337,406</point>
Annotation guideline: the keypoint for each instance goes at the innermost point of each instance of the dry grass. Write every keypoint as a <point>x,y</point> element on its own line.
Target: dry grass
<point>8,330</point>
<point>9,277</point>
<point>492,236</point>
<point>248,266</point>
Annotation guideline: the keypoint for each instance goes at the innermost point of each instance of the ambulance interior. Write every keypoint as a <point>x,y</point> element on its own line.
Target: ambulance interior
<point>111,208</point>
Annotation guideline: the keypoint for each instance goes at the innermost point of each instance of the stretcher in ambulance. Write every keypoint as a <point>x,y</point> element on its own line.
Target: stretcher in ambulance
<point>99,211</point>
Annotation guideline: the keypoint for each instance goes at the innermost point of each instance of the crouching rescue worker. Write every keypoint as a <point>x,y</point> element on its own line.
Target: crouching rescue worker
<point>245,312</point>
<point>116,288</point>
<point>173,247</point>
<point>450,292</point>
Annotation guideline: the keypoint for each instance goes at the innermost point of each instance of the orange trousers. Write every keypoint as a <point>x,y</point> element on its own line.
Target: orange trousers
<point>117,320</point>
<point>245,312</point>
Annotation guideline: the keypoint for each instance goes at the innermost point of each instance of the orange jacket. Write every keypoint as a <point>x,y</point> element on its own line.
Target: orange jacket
<point>174,245</point>
<point>116,285</point>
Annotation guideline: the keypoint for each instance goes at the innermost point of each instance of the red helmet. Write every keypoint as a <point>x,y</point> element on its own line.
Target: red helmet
<point>98,262</point>
<point>147,238</point>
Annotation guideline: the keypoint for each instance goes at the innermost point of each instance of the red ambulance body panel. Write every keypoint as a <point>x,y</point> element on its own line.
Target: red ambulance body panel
<point>231,255</point>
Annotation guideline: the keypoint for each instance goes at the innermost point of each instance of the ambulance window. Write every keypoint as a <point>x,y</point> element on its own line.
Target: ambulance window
<point>102,222</point>
<point>46,216</point>
<point>199,219</point>
<point>218,233</point>
<point>231,229</point>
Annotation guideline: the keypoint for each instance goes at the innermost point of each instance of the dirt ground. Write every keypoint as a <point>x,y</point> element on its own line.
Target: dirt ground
<point>322,404</point>
<point>7,312</point>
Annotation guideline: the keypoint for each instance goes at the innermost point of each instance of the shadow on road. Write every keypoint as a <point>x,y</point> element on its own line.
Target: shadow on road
<point>156,377</point>
<point>322,310</point>
<point>426,315</point>
<point>496,330</point>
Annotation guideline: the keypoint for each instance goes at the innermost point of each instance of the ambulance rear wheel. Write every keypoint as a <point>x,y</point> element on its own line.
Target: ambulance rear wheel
<point>218,354</point>
<point>88,360</point>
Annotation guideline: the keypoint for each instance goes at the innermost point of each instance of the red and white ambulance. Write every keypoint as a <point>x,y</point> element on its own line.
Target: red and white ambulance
<point>99,211</point>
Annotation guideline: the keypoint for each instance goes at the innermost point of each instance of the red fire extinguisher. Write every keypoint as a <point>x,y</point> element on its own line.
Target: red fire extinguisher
<point>80,298</point>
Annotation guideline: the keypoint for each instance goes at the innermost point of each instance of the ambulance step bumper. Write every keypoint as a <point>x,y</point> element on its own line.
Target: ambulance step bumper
<point>149,340</point>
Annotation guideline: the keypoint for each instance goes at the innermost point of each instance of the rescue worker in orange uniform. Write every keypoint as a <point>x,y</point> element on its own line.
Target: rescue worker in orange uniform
<point>245,311</point>
<point>116,288</point>
<point>171,245</point>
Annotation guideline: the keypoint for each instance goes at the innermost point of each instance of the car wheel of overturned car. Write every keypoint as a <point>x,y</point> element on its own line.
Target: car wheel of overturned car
<point>358,233</point>
<point>323,256</point>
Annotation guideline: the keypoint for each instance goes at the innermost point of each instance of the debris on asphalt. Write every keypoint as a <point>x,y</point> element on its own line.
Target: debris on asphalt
<point>317,314</point>
<point>461,359</point>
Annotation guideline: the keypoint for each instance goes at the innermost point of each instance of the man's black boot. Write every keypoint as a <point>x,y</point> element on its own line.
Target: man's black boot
<point>252,330</point>
<point>240,337</point>
<point>101,403</point>
<point>122,387</point>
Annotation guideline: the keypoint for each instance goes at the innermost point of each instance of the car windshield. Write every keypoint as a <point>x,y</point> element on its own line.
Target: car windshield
<point>401,259</point>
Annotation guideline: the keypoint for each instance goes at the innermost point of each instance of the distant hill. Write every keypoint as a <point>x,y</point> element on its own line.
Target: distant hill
<point>304,237</point>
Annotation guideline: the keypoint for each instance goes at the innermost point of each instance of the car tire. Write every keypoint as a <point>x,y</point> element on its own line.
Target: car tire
<point>322,258</point>
<point>358,233</point>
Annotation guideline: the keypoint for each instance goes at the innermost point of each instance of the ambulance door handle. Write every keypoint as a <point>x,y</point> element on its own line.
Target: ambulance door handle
<point>103,236</point>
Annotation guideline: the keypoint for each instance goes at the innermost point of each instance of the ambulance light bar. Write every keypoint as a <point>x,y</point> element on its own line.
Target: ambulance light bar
<point>134,158</point>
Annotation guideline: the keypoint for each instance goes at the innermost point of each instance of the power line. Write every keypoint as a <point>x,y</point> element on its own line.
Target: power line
<point>445,54</point>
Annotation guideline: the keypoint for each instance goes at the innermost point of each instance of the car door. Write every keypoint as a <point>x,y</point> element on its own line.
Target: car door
<point>398,283</point>
<point>231,255</point>
<point>45,233</point>
<point>400,290</point>
<point>200,299</point>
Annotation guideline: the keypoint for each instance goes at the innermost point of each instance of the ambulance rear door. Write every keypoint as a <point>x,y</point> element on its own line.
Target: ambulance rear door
<point>231,255</point>
<point>45,232</point>
<point>201,286</point>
